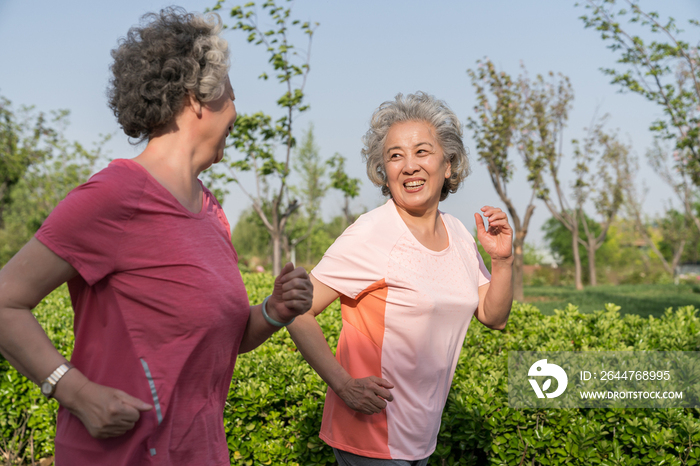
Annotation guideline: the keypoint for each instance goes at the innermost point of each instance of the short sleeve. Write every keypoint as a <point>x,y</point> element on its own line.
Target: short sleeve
<point>85,228</point>
<point>484,274</point>
<point>468,242</point>
<point>358,259</point>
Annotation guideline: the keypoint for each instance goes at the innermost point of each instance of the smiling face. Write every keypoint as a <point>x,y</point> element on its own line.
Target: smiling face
<point>415,167</point>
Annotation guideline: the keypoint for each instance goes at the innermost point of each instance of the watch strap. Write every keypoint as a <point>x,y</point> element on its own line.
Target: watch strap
<point>55,376</point>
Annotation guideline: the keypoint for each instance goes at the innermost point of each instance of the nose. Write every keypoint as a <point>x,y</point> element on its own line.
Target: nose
<point>410,165</point>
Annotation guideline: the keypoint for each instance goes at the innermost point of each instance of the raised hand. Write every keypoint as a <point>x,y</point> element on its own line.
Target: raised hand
<point>367,395</point>
<point>292,294</point>
<point>498,239</point>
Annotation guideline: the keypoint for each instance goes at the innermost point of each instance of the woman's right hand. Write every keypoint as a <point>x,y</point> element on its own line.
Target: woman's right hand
<point>104,411</point>
<point>367,395</point>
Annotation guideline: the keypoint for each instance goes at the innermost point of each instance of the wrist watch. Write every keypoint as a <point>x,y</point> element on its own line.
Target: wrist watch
<point>48,386</point>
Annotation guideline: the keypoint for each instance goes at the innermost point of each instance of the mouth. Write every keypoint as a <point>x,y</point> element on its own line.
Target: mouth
<point>413,185</point>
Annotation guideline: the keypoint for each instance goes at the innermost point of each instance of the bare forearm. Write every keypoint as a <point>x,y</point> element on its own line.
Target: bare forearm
<point>308,337</point>
<point>25,345</point>
<point>257,331</point>
<point>499,297</point>
<point>291,296</point>
<point>27,278</point>
<point>28,349</point>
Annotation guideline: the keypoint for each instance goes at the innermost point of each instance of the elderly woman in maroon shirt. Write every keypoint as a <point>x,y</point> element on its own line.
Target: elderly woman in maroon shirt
<point>160,308</point>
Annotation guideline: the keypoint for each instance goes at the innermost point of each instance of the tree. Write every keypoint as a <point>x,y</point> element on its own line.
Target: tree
<point>251,239</point>
<point>633,205</point>
<point>547,107</point>
<point>604,187</point>
<point>675,236</point>
<point>22,144</point>
<point>311,190</point>
<point>498,125</point>
<point>559,240</point>
<point>38,167</point>
<point>666,72</point>
<point>350,187</point>
<point>256,135</point>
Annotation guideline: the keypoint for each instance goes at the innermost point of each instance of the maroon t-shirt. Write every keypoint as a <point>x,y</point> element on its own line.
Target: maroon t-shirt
<point>160,310</point>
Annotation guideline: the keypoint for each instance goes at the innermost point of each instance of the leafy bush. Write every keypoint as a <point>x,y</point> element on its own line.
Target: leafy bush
<point>21,400</point>
<point>273,412</point>
<point>478,427</point>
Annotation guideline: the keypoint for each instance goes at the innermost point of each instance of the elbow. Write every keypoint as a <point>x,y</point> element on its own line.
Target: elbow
<point>494,321</point>
<point>244,349</point>
<point>498,326</point>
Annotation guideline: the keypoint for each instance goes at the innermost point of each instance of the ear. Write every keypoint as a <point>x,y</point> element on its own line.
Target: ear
<point>448,170</point>
<point>195,104</point>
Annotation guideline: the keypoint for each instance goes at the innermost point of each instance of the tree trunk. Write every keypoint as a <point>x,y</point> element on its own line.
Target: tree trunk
<point>349,218</point>
<point>591,265</point>
<point>518,260</point>
<point>3,187</point>
<point>577,256</point>
<point>642,229</point>
<point>677,256</point>
<point>285,248</point>
<point>276,253</point>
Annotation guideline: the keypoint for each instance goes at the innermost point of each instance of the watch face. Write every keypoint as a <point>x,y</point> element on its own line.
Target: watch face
<point>46,389</point>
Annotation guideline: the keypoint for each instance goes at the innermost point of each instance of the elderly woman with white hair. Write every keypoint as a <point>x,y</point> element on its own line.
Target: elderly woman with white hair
<point>161,311</point>
<point>409,278</point>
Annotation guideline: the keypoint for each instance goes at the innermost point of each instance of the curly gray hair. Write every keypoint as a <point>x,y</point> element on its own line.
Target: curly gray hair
<point>170,54</point>
<point>416,107</point>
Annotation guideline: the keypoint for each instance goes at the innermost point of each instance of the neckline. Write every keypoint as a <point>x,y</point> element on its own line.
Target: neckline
<point>198,215</point>
<point>415,240</point>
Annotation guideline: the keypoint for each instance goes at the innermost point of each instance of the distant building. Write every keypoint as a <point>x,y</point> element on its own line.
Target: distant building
<point>685,271</point>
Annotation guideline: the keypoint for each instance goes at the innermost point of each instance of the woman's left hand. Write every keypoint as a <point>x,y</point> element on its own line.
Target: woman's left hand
<point>498,239</point>
<point>292,294</point>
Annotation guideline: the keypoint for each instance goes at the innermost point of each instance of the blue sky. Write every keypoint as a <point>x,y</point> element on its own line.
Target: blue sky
<point>56,55</point>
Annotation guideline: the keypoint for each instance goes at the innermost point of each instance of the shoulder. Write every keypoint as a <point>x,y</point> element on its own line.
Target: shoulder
<point>120,180</point>
<point>380,227</point>
<point>457,228</point>
<point>109,192</point>
<point>210,196</point>
<point>360,256</point>
<point>214,205</point>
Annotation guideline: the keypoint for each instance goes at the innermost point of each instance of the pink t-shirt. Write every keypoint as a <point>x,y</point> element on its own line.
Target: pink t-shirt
<point>160,310</point>
<point>406,310</point>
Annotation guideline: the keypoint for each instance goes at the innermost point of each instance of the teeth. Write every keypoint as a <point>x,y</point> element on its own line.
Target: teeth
<point>414,184</point>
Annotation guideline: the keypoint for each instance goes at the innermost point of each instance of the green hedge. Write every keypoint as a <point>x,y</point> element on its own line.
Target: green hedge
<point>274,408</point>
